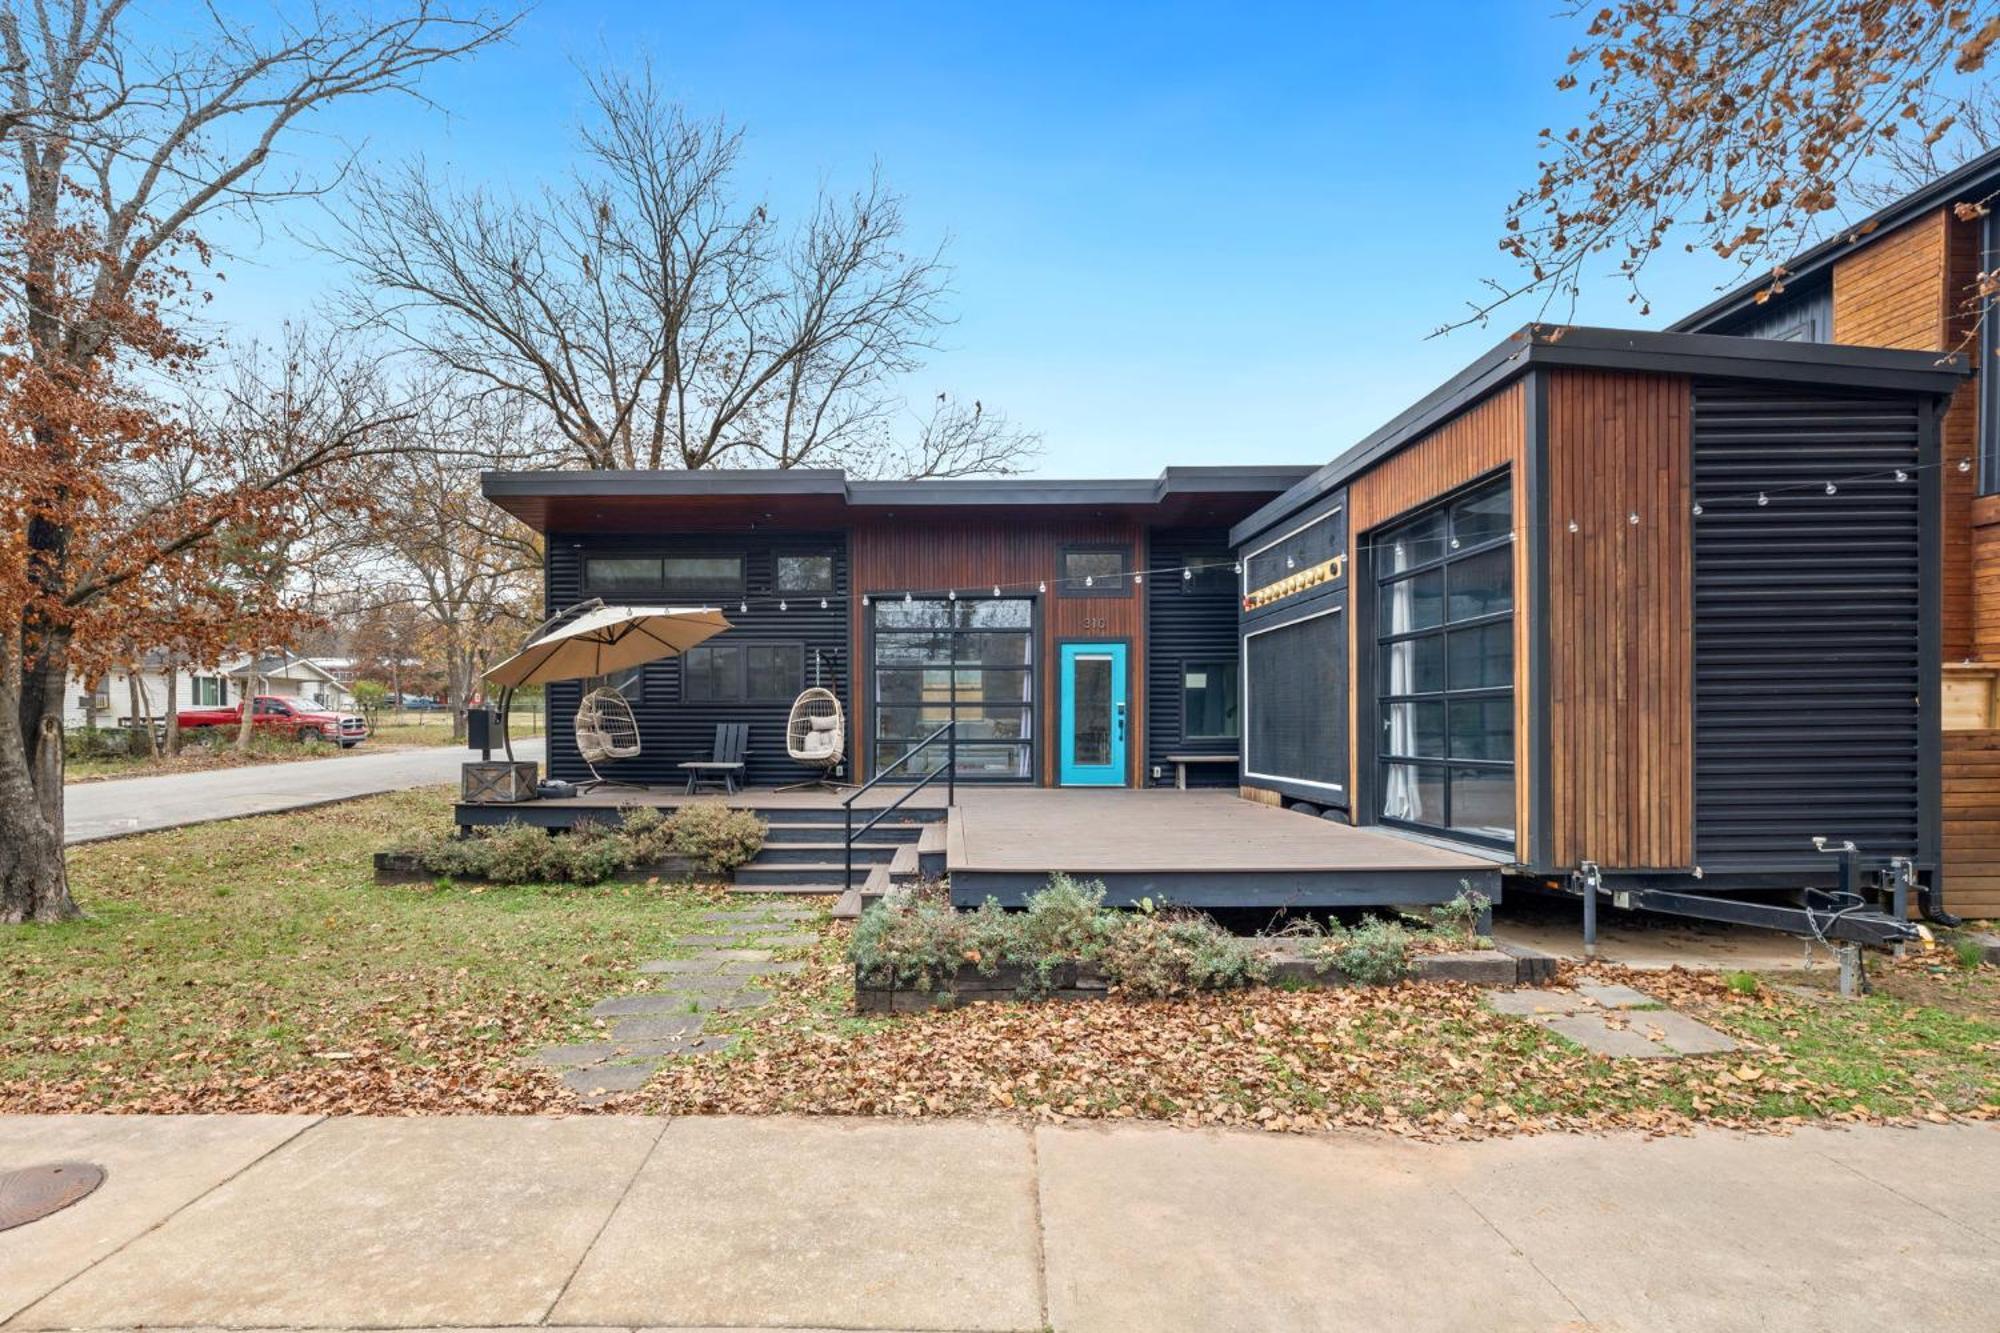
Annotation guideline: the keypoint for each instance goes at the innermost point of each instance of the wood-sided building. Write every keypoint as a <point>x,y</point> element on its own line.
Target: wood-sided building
<point>1667,604</point>
<point>1907,277</point>
<point>1079,633</point>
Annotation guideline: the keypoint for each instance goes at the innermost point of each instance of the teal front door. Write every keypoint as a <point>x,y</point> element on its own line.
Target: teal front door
<point>1094,715</point>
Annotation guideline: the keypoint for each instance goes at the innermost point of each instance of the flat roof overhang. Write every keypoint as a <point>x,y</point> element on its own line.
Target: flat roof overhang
<point>825,498</point>
<point>1715,355</point>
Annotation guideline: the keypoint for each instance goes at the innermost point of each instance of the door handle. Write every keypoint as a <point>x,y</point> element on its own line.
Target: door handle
<point>1121,720</point>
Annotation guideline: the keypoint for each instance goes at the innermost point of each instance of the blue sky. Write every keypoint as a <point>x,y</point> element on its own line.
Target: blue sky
<point>1181,234</point>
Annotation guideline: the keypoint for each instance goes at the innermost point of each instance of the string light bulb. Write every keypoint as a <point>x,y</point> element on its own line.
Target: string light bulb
<point>1832,489</point>
<point>1090,580</point>
<point>1138,579</point>
<point>743,608</point>
<point>865,601</point>
<point>1633,518</point>
<point>1965,465</point>
<point>952,595</point>
<point>1291,563</point>
<point>1762,499</point>
<point>1041,587</point>
<point>1902,475</point>
<point>1187,576</point>
<point>822,603</point>
<point>906,599</point>
<point>996,590</point>
<point>1697,509</point>
<point>1575,526</point>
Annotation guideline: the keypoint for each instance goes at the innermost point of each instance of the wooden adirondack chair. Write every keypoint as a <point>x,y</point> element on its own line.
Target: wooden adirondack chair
<point>732,746</point>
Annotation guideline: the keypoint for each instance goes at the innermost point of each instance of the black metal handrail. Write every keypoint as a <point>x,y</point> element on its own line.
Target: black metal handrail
<point>950,771</point>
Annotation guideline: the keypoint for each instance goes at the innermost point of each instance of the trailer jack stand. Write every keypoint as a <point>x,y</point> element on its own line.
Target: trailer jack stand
<point>1589,880</point>
<point>1853,972</point>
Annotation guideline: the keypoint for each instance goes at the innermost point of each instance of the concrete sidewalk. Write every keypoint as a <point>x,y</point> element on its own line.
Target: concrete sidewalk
<point>93,811</point>
<point>299,1223</point>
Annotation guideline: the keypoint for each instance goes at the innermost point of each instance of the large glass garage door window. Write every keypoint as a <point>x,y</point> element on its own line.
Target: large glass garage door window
<point>1444,611</point>
<point>973,660</point>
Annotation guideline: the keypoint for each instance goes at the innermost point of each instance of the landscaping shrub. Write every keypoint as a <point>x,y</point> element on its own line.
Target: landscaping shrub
<point>716,837</point>
<point>1376,952</point>
<point>720,838</point>
<point>1742,983</point>
<point>920,941</point>
<point>96,743</point>
<point>915,942</point>
<point>1971,953</point>
<point>1155,955</point>
<point>1458,920</point>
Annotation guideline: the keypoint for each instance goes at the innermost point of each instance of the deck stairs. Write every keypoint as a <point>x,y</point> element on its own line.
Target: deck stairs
<point>803,853</point>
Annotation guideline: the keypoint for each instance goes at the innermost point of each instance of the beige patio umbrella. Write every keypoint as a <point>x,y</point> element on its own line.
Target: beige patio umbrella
<point>609,639</point>
<point>601,640</point>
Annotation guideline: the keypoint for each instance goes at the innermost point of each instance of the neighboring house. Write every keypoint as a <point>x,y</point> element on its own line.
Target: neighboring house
<point>107,701</point>
<point>300,678</point>
<point>1905,278</point>
<point>1595,606</point>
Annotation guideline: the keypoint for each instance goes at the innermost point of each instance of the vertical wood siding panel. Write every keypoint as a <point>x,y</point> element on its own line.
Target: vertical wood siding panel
<point>1620,619</point>
<point>931,553</point>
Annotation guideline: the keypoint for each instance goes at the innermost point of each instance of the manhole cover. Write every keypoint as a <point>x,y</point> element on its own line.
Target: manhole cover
<point>34,1192</point>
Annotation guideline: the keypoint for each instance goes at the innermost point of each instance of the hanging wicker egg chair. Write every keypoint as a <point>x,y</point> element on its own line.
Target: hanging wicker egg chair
<point>605,730</point>
<point>816,736</point>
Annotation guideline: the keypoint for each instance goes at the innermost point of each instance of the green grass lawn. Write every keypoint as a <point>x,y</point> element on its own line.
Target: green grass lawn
<point>254,964</point>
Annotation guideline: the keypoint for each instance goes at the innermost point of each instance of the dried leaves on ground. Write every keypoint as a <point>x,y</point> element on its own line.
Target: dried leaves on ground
<point>1426,1060</point>
<point>254,965</point>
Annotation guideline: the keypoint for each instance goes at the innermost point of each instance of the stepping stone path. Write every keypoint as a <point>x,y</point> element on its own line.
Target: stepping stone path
<point>647,1028</point>
<point>1616,1021</point>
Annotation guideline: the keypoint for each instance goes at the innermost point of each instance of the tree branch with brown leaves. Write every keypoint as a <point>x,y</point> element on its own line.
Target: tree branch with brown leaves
<point>1736,126</point>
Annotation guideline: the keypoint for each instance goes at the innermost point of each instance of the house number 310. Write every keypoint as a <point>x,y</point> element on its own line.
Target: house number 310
<point>1095,624</point>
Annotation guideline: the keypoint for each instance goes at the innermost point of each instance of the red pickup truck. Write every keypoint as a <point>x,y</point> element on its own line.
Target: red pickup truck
<point>282,717</point>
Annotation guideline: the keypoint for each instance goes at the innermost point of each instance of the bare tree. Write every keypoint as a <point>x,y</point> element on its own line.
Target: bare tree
<point>1910,162</point>
<point>655,320</point>
<point>114,151</point>
<point>436,546</point>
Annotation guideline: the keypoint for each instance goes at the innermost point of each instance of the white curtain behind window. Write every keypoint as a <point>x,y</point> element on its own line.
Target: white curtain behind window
<point>1401,797</point>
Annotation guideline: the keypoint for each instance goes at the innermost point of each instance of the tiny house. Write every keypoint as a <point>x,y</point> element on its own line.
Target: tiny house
<point>1652,614</point>
<point>1660,609</point>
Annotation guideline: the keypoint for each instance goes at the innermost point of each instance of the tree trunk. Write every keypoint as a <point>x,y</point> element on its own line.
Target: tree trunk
<point>33,883</point>
<point>247,727</point>
<point>142,711</point>
<point>173,706</point>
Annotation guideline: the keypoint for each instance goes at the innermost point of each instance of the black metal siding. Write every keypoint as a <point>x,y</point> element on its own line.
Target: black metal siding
<point>1186,621</point>
<point>670,730</point>
<point>1802,314</point>
<point>1313,706</point>
<point>1810,624</point>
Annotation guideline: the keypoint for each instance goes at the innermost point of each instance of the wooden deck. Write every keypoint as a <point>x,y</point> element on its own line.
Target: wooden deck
<point>1203,848</point>
<point>605,802</point>
<point>1199,848</point>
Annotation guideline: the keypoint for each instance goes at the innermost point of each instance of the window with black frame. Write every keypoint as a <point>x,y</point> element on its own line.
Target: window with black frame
<point>1444,619</point>
<point>969,659</point>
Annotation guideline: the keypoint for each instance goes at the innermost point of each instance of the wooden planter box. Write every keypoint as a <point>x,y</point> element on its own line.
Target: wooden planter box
<point>407,868</point>
<point>498,781</point>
